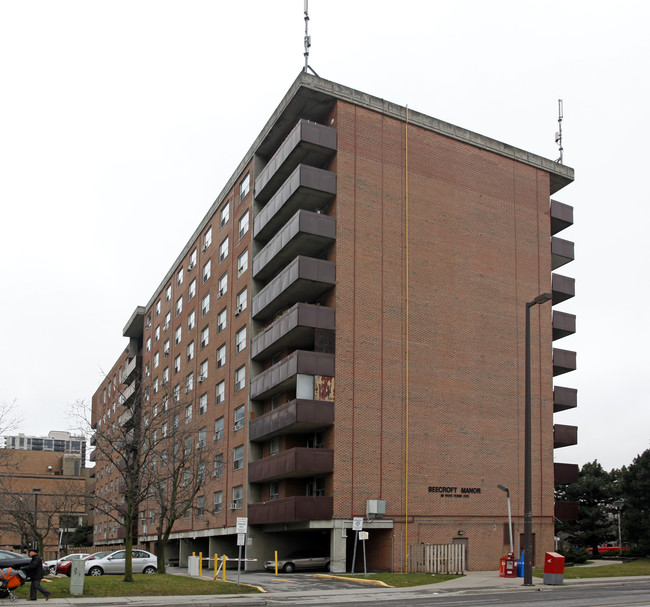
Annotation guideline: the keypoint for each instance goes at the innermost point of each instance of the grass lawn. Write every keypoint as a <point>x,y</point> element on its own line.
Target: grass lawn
<point>404,580</point>
<point>144,585</point>
<point>638,567</point>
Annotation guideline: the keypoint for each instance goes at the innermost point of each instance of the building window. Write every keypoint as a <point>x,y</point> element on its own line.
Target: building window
<point>225,214</point>
<point>244,186</point>
<point>179,305</point>
<point>156,333</point>
<point>178,335</point>
<point>156,360</point>
<point>221,356</point>
<point>207,239</point>
<point>188,415</point>
<point>168,321</point>
<point>191,320</point>
<point>168,293</point>
<point>202,438</point>
<point>223,285</point>
<point>218,465</point>
<point>203,370</point>
<point>240,378</point>
<point>166,348</point>
<point>200,505</point>
<point>148,346</point>
<point>223,249</point>
<point>165,375</point>
<point>147,370</point>
<point>192,259</point>
<point>177,394</point>
<point>189,383</point>
<point>218,428</point>
<point>205,305</point>
<point>274,490</point>
<point>221,392</point>
<point>158,307</point>
<point>238,497</point>
<point>240,339</point>
<point>177,363</point>
<point>221,321</point>
<point>274,446</point>
<point>239,418</point>
<point>179,278</point>
<point>190,351</point>
<point>242,263</point>
<point>203,403</point>
<point>242,300</point>
<point>316,487</point>
<point>205,337</point>
<point>207,269</point>
<point>238,457</point>
<point>243,224</point>
<point>192,290</point>
<point>217,502</point>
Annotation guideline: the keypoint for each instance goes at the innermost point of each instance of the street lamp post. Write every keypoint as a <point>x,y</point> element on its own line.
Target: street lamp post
<point>528,456</point>
<point>36,491</point>
<point>512,548</point>
<point>618,504</point>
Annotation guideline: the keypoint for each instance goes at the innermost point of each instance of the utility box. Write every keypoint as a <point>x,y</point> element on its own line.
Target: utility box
<point>553,569</point>
<point>77,576</point>
<point>193,566</point>
<point>375,509</point>
<point>508,566</point>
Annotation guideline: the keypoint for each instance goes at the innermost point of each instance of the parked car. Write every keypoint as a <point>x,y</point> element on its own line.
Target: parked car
<point>65,567</point>
<point>299,560</point>
<point>114,562</point>
<point>52,565</point>
<point>13,559</point>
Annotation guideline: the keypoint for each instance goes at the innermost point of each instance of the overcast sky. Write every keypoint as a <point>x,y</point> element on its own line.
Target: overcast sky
<point>115,114</point>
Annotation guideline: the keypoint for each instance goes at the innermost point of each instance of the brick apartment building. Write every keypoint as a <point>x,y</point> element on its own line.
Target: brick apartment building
<point>348,320</point>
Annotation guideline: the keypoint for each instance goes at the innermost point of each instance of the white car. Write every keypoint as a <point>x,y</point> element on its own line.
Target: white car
<point>114,562</point>
<point>51,565</point>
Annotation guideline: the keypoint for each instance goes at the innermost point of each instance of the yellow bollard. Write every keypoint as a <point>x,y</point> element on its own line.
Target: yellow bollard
<point>224,567</point>
<point>216,561</point>
<point>200,564</point>
<point>276,562</point>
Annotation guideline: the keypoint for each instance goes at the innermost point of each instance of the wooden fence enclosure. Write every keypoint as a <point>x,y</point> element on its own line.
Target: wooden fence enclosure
<point>437,558</point>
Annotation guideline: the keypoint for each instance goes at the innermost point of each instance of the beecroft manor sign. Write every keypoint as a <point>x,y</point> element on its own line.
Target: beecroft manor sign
<point>455,491</point>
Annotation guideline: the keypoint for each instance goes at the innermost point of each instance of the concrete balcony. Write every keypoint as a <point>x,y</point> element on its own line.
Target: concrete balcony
<point>566,511</point>
<point>561,216</point>
<point>306,233</point>
<point>564,398</point>
<point>290,509</point>
<point>299,416</point>
<point>296,329</point>
<point>306,188</point>
<point>308,143</point>
<point>564,361</point>
<point>132,369</point>
<point>561,252</point>
<point>304,279</point>
<point>295,372</point>
<point>563,324</point>
<point>300,462</point>
<point>562,287</point>
<point>126,398</point>
<point>564,436</point>
<point>565,474</point>
<point>93,455</point>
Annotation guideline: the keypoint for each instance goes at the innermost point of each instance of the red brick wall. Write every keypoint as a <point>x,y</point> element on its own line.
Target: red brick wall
<point>478,250</point>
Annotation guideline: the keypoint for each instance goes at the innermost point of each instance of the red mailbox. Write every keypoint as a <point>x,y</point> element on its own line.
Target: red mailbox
<point>553,569</point>
<point>508,566</point>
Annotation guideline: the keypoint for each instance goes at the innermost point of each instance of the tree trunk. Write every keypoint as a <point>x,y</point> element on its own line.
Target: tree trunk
<point>128,547</point>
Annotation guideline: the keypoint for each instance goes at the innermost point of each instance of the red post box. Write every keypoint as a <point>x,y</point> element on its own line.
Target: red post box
<point>553,569</point>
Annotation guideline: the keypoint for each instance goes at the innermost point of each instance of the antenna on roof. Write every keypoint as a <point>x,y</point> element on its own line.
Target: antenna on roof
<point>307,67</point>
<point>558,135</point>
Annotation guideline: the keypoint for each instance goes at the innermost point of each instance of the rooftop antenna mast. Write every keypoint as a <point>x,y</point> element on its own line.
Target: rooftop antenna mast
<point>307,67</point>
<point>558,135</point>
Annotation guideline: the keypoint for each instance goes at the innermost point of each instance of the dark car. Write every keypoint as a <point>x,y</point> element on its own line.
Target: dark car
<point>299,559</point>
<point>13,559</point>
<point>65,567</point>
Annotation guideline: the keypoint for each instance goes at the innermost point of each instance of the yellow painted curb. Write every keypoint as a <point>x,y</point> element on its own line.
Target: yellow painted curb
<point>352,579</point>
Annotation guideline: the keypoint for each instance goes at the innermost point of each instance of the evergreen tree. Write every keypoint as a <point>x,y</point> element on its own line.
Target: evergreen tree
<point>635,481</point>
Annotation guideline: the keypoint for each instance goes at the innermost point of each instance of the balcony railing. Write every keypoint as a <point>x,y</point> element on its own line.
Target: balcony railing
<point>563,288</point>
<point>561,252</point>
<point>306,233</point>
<point>561,216</point>
<point>293,330</point>
<point>299,462</point>
<point>307,143</point>
<point>290,509</point>
<point>563,324</point>
<point>563,361</point>
<point>304,279</point>
<point>565,473</point>
<point>566,511</point>
<point>299,416</point>
<point>564,436</point>
<point>564,398</point>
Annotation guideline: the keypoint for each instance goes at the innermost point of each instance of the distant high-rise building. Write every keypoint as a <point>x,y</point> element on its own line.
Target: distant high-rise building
<point>347,322</point>
<point>56,440</point>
